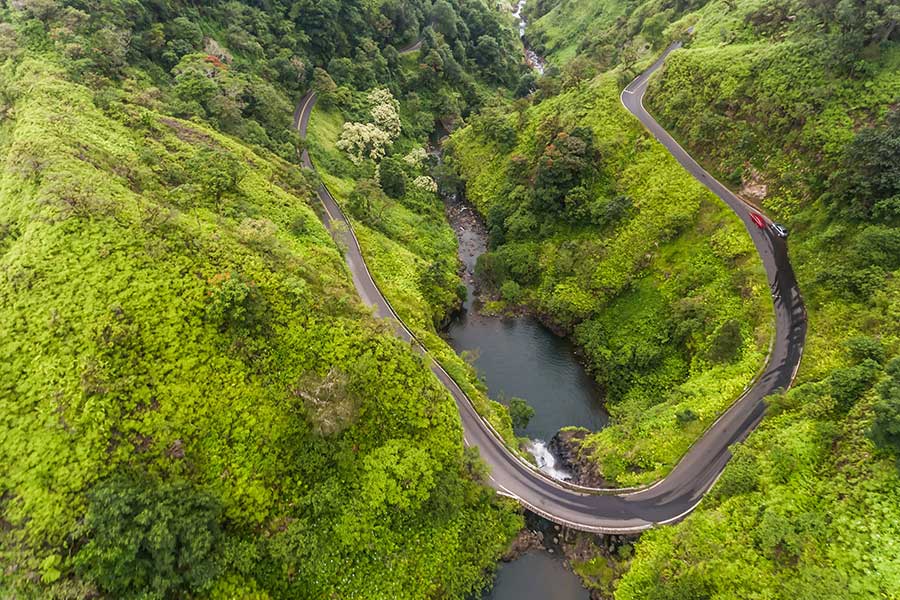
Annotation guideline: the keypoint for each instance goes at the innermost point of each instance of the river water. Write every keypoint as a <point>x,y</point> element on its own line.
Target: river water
<point>531,57</point>
<point>519,357</point>
<point>536,576</point>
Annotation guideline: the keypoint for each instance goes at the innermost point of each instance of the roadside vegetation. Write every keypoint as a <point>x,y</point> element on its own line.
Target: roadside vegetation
<point>370,150</point>
<point>793,104</point>
<point>194,403</point>
<point>596,229</point>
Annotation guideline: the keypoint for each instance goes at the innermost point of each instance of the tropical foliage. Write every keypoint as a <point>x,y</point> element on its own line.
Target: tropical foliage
<point>194,403</point>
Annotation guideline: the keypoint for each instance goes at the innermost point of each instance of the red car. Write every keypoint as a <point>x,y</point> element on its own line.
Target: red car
<point>757,218</point>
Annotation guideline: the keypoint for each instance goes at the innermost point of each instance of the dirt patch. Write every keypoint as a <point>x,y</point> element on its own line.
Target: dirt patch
<point>753,188</point>
<point>187,134</point>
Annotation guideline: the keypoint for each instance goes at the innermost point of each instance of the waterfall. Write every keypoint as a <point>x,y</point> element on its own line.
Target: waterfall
<point>531,57</point>
<point>546,461</point>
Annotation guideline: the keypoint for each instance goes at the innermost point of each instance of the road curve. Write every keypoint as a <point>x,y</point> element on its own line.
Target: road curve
<point>412,47</point>
<point>600,510</point>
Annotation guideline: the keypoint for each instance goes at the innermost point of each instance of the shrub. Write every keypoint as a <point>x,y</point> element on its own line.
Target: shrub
<point>392,177</point>
<point>726,342</point>
<point>150,540</point>
<point>850,383</point>
<point>885,429</point>
<point>215,173</point>
<point>511,291</point>
<point>520,412</point>
<point>865,347</point>
<point>233,303</point>
<point>685,416</point>
<point>741,476</point>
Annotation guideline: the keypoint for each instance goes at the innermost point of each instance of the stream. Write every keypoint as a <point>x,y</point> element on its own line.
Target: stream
<point>519,357</point>
<point>536,576</point>
<point>531,57</point>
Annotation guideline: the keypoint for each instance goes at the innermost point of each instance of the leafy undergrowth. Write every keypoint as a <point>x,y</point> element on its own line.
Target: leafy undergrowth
<point>802,123</point>
<point>193,400</point>
<point>804,510</point>
<point>664,291</point>
<point>410,250</point>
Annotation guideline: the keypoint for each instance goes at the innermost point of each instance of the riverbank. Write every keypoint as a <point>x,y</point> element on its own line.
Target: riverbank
<point>546,560</point>
<point>517,355</point>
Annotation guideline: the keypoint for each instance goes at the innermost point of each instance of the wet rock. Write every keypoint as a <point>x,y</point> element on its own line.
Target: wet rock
<point>566,445</point>
<point>525,541</point>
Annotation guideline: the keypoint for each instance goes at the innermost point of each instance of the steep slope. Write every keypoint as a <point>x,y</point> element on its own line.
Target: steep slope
<point>193,400</point>
<point>794,104</point>
<point>653,277</point>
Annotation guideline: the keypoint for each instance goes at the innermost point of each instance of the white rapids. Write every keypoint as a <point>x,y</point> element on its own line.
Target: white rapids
<point>546,462</point>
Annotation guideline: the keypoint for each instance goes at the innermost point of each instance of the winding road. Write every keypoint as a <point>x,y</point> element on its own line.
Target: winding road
<point>616,511</point>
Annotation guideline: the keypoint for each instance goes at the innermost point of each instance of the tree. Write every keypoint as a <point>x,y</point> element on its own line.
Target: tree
<point>685,416</point>
<point>885,430</point>
<point>487,54</point>
<point>324,86</point>
<point>511,291</point>
<point>370,140</point>
<point>654,26</point>
<point>444,19</point>
<point>864,347</point>
<point>567,160</point>
<point>868,183</point>
<point>38,9</point>
<point>183,36</point>
<point>215,173</point>
<point>726,342</point>
<point>392,177</point>
<point>850,383</point>
<point>150,539</point>
<point>368,202</point>
<point>520,412</point>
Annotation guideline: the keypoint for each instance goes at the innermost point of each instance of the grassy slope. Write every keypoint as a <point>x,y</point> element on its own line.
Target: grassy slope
<point>398,253</point>
<point>110,360</point>
<point>623,284</point>
<point>810,508</point>
<point>563,27</point>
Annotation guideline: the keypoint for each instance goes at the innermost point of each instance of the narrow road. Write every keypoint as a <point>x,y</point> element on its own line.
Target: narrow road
<point>600,510</point>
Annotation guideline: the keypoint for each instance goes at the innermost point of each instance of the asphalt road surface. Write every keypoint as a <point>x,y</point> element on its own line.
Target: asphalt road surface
<point>607,510</point>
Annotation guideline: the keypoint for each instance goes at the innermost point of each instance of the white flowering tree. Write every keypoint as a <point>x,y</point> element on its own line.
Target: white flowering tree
<point>426,183</point>
<point>385,111</point>
<point>416,157</point>
<point>363,140</point>
<point>370,140</point>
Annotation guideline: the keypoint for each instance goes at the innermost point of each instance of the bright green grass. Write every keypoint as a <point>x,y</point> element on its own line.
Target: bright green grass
<point>113,361</point>
<point>397,254</point>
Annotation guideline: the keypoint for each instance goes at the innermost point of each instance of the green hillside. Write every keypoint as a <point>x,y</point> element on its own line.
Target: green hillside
<point>194,403</point>
<point>626,252</point>
<point>794,104</point>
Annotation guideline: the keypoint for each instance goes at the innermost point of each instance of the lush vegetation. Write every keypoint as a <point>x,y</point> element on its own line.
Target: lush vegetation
<point>598,230</point>
<point>794,104</point>
<point>800,100</point>
<point>406,241</point>
<point>194,403</point>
